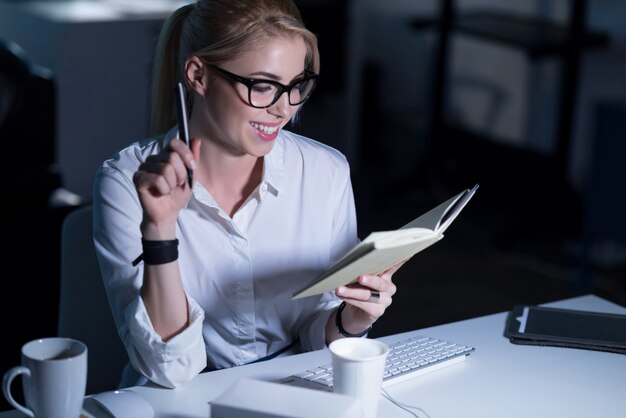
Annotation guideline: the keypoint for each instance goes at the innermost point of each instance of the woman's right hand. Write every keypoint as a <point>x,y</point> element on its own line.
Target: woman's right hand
<point>163,188</point>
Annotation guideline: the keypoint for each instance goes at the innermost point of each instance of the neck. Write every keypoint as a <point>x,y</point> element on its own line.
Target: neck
<point>229,178</point>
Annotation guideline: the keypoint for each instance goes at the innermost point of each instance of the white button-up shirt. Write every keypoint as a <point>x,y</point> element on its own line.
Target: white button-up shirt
<point>238,274</point>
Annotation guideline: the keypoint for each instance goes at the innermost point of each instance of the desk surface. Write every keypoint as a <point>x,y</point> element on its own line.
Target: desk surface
<point>499,379</point>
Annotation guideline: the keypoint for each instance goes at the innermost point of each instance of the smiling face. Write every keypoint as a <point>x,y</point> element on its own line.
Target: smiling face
<point>228,120</point>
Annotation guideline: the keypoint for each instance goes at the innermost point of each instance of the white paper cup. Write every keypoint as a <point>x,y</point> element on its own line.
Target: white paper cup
<point>358,367</point>
<point>54,378</point>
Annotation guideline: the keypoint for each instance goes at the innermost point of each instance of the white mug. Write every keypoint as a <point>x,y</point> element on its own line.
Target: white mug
<point>358,367</point>
<point>54,378</point>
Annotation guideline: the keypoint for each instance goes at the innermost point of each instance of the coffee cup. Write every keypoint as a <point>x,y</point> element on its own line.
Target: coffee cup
<point>54,378</point>
<point>358,368</point>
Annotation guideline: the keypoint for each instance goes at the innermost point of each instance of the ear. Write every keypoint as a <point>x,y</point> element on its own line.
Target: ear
<point>196,75</point>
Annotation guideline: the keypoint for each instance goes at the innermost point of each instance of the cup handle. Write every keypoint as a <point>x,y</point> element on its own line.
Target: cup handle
<point>6,388</point>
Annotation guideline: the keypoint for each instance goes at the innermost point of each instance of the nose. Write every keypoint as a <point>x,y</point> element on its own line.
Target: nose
<point>281,107</point>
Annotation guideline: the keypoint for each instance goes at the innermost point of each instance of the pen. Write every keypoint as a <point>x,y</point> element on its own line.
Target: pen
<point>183,123</point>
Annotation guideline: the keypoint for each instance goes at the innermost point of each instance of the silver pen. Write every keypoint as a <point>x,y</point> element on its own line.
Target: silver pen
<point>183,123</point>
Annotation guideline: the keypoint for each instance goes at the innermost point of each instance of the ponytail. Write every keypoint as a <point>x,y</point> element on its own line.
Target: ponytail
<point>217,31</point>
<point>167,71</point>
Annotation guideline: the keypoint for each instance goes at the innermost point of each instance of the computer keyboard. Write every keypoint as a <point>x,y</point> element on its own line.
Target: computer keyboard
<point>407,359</point>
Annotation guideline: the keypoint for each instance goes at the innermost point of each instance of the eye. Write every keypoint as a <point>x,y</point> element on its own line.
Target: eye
<point>263,88</point>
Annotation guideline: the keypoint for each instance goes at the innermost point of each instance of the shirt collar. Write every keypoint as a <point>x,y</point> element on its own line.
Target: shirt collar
<point>169,135</point>
<point>273,164</point>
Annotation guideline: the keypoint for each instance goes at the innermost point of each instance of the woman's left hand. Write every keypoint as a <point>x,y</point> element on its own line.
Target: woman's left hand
<point>367,300</point>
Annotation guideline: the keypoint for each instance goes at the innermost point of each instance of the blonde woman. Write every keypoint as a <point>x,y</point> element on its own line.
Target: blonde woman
<point>200,278</point>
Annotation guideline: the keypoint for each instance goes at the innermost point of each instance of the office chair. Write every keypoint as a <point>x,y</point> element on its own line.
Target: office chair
<point>84,310</point>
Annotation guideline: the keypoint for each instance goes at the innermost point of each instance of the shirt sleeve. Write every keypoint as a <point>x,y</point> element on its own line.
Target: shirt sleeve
<point>117,238</point>
<point>170,363</point>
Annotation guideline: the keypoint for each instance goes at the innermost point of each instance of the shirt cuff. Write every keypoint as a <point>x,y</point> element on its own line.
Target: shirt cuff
<point>170,363</point>
<point>314,338</point>
<point>145,337</point>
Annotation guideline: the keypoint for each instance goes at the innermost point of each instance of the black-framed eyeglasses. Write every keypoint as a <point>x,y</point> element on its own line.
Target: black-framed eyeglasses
<point>264,93</point>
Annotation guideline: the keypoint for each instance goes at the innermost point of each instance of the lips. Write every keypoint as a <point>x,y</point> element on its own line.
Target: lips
<point>267,132</point>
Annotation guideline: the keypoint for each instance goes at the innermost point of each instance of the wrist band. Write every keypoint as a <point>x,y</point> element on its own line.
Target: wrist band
<point>158,252</point>
<point>339,325</point>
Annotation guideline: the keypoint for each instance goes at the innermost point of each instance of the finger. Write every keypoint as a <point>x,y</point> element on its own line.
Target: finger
<point>195,147</point>
<point>184,152</point>
<point>366,294</point>
<point>173,168</point>
<point>358,293</point>
<point>373,310</point>
<point>166,169</point>
<point>151,183</point>
<point>374,296</point>
<point>166,172</point>
<point>380,284</point>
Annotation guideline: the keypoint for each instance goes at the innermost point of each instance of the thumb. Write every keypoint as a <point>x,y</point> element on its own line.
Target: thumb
<point>195,147</point>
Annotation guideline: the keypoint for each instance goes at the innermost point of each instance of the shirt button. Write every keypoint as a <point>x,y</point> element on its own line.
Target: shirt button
<point>263,188</point>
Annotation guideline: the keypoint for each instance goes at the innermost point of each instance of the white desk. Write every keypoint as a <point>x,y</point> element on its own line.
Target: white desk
<point>498,380</point>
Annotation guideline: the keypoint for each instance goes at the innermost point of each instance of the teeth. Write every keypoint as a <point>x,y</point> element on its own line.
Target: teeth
<point>265,129</point>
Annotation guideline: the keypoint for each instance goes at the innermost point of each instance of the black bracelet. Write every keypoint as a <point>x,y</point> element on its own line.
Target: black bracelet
<point>158,252</point>
<point>339,325</point>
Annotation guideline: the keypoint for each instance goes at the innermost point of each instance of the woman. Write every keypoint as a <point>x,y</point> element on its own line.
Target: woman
<point>267,211</point>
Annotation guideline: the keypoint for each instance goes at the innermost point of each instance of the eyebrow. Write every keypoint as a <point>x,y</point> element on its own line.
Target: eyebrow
<point>274,76</point>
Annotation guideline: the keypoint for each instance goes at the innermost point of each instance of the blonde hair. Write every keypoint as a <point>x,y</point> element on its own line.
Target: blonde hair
<point>218,31</point>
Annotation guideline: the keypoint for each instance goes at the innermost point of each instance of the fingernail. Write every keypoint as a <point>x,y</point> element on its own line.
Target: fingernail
<point>193,164</point>
<point>341,290</point>
<point>363,280</point>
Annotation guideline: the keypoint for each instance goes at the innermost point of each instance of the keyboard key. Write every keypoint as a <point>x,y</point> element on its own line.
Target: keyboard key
<point>406,359</point>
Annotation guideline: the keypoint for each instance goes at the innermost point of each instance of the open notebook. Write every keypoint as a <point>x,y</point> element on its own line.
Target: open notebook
<point>380,251</point>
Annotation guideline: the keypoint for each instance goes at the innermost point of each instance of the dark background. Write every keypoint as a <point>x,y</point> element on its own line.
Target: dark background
<point>541,226</point>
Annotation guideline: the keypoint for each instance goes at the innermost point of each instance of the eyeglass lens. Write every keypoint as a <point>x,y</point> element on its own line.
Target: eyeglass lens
<point>265,94</point>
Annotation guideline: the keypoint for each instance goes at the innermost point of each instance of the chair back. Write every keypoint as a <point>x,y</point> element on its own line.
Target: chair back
<point>84,310</point>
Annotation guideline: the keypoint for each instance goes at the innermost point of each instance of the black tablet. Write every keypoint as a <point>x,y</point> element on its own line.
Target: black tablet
<point>528,324</point>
